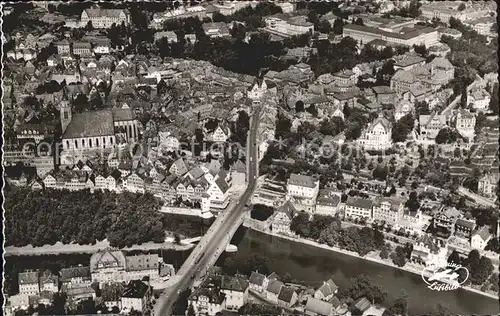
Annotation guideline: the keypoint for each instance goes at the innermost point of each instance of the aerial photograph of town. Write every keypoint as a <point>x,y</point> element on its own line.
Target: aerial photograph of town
<point>220,158</point>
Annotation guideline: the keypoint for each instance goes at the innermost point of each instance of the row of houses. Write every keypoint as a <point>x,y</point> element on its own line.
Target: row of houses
<point>114,274</point>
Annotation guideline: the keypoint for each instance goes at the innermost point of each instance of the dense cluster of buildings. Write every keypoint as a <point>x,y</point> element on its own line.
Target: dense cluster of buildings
<point>114,279</point>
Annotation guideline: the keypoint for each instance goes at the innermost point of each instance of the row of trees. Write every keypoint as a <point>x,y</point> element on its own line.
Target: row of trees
<point>480,267</point>
<point>328,230</point>
<point>46,217</point>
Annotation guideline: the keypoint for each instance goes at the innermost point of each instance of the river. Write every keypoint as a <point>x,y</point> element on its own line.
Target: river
<point>312,266</point>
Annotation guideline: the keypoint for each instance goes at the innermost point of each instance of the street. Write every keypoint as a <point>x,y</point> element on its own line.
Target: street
<point>212,244</point>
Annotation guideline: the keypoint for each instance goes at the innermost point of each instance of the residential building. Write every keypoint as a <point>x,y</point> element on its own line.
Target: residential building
<point>273,290</point>
<point>316,307</point>
<point>182,12</point>
<point>135,182</point>
<point>409,62</point>
<point>170,36</point>
<point>216,29</point>
<point>287,25</point>
<point>402,81</point>
<point>114,266</point>
<point>377,136</point>
<point>402,108</point>
<point>75,277</point>
<point>168,141</point>
<point>82,49</point>
<point>388,210</point>
<point>63,47</point>
<point>105,18</point>
<point>362,304</point>
<point>487,185</point>
<point>430,125</point>
<point>283,218</point>
<point>78,294</point>
<point>221,134</point>
<point>178,168</point>
<point>465,124</point>
<point>29,283</point>
<point>302,186</point>
<point>327,202</point>
<point>407,36</point>
<point>345,78</point>
<point>286,7</point>
<point>258,282</point>
<point>49,282</point>
<point>136,297</point>
<point>446,218</point>
<point>479,99</point>
<point>326,291</point>
<point>207,301</point>
<point>218,194</point>
<point>235,290</point>
<point>287,297</point>
<point>464,228</point>
<point>384,95</point>
<point>480,238</point>
<point>230,7</point>
<point>356,207</point>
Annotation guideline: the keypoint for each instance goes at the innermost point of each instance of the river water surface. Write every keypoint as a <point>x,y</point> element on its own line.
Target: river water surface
<point>312,266</point>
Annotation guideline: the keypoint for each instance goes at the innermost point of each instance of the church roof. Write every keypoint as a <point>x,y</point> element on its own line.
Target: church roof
<point>90,124</point>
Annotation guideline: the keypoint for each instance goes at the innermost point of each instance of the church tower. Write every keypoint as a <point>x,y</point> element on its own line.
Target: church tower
<point>65,112</point>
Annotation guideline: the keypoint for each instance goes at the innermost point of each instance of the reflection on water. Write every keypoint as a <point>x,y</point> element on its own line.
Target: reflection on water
<point>312,266</point>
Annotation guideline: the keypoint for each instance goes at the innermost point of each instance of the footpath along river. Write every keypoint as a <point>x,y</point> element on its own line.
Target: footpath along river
<point>312,265</point>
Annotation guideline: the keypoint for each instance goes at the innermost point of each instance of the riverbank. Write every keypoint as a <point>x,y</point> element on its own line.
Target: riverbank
<point>373,257</point>
<point>60,248</point>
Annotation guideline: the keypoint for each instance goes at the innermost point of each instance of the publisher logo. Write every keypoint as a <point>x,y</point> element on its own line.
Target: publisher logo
<point>447,278</point>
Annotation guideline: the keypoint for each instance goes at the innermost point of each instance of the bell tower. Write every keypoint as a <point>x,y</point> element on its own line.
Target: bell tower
<point>65,112</point>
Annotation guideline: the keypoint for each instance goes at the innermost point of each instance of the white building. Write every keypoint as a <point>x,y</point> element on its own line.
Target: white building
<point>235,290</point>
<point>168,142</point>
<point>136,297</point>
<point>218,194</point>
<point>402,108</point>
<point>29,283</point>
<point>286,25</point>
<point>358,208</point>
<point>465,124</point>
<point>286,7</point>
<point>105,18</point>
<point>258,282</point>
<point>114,266</point>
<point>480,238</point>
<point>207,301</point>
<point>388,210</point>
<point>479,99</point>
<point>377,136</point>
<point>327,202</point>
<point>487,185</point>
<point>302,186</point>
<point>283,218</point>
<point>326,291</point>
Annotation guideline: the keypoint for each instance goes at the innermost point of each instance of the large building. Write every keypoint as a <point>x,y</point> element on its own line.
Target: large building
<point>105,18</point>
<point>97,129</point>
<point>302,186</point>
<point>406,36</point>
<point>388,210</point>
<point>179,13</point>
<point>114,266</point>
<point>377,136</point>
<point>358,208</point>
<point>285,25</point>
<point>465,124</point>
